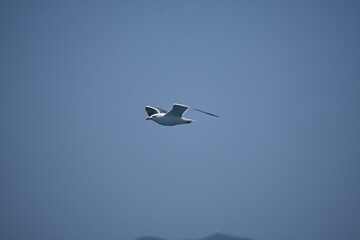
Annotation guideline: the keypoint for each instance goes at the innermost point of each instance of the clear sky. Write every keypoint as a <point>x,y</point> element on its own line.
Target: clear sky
<point>79,161</point>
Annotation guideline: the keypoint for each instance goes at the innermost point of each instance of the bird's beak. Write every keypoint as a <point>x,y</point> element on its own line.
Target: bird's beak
<point>148,118</point>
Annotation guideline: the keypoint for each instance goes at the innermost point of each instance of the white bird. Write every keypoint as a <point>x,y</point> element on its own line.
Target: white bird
<point>173,117</point>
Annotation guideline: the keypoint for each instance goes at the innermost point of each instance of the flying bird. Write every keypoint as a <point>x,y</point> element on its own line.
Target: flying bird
<point>173,117</point>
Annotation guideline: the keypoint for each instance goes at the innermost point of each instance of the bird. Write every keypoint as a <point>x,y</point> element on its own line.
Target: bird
<point>173,117</point>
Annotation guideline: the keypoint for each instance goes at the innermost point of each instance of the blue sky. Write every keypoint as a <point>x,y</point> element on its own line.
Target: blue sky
<point>79,161</point>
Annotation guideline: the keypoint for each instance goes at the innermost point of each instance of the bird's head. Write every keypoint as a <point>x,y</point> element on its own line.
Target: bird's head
<point>152,117</point>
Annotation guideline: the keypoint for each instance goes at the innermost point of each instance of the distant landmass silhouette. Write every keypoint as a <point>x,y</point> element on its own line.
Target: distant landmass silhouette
<point>150,238</point>
<point>217,236</point>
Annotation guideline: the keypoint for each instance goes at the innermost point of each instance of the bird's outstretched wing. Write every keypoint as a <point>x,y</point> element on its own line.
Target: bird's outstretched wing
<point>153,110</point>
<point>211,114</point>
<point>178,110</point>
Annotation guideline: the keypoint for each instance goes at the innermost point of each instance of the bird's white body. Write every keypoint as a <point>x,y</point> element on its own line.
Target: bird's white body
<point>163,119</point>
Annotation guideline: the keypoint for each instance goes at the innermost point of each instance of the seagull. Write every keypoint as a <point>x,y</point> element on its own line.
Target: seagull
<point>173,117</point>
